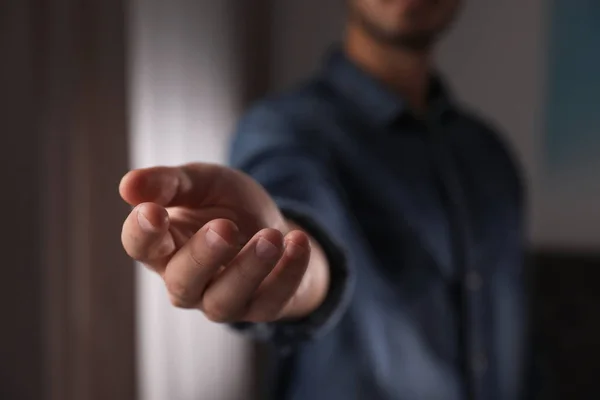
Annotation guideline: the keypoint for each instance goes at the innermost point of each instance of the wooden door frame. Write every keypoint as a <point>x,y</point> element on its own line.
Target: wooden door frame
<point>88,282</point>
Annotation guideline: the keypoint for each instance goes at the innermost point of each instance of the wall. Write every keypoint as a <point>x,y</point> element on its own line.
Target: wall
<point>497,59</point>
<point>21,353</point>
<point>66,296</point>
<point>302,31</point>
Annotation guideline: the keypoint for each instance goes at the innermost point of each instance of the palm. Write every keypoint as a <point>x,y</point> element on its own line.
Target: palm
<point>228,194</point>
<point>189,225</point>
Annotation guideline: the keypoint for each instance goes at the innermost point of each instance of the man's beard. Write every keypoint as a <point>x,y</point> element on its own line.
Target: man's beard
<point>416,41</point>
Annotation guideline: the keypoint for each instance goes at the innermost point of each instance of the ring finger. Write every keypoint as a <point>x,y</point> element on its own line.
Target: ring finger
<point>227,298</point>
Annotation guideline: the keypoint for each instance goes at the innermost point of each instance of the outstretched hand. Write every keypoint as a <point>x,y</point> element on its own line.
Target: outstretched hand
<point>220,244</point>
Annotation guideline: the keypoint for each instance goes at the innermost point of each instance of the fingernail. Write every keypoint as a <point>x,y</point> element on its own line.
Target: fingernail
<point>266,250</point>
<point>215,241</point>
<point>293,250</point>
<point>144,223</point>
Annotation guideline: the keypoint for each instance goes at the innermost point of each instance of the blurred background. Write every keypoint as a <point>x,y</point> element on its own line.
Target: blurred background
<point>90,89</point>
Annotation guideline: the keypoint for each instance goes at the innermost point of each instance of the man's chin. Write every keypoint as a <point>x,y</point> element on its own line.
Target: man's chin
<point>414,40</point>
<point>417,41</point>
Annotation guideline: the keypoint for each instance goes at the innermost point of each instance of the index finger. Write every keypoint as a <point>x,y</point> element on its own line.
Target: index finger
<point>184,185</point>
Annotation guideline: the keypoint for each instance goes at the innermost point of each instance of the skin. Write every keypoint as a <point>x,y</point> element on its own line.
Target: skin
<point>220,244</point>
<point>215,236</point>
<point>393,40</point>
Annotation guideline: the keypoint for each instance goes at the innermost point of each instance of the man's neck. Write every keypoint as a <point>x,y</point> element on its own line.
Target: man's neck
<point>406,72</point>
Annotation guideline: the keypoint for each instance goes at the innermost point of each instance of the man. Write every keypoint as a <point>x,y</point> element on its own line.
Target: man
<point>374,237</point>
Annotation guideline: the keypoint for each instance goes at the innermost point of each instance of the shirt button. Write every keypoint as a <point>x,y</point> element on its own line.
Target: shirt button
<point>480,364</point>
<point>474,281</point>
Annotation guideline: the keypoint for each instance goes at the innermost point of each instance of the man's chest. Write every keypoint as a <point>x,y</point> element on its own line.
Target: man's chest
<point>412,196</point>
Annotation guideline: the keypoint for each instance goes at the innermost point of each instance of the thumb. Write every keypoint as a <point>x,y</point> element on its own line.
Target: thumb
<point>187,185</point>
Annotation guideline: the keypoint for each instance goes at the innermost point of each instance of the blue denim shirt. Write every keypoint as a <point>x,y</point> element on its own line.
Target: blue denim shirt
<point>421,219</point>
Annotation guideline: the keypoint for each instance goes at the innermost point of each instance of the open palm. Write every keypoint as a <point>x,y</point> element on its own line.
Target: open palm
<point>217,239</point>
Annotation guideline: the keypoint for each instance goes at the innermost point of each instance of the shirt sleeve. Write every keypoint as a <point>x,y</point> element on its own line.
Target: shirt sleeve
<point>295,171</point>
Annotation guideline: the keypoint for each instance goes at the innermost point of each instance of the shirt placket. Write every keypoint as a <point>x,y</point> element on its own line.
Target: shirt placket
<point>473,304</point>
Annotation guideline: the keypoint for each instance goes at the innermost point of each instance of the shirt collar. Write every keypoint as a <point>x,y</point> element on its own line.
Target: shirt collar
<point>377,102</point>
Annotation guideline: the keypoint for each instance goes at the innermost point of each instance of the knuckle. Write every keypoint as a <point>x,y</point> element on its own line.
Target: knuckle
<point>217,310</point>
<point>131,252</point>
<point>180,295</point>
<point>241,271</point>
<point>263,314</point>
<point>265,310</point>
<point>196,258</point>
<point>134,248</point>
<point>249,271</point>
<point>179,303</point>
<point>131,249</point>
<point>163,249</point>
<point>137,254</point>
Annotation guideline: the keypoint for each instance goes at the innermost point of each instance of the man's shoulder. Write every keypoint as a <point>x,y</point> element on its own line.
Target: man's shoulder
<point>282,120</point>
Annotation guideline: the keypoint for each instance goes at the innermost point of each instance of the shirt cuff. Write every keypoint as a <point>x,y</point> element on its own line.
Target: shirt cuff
<point>287,335</point>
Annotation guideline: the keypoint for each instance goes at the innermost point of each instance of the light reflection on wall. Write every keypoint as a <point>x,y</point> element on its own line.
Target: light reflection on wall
<point>184,101</point>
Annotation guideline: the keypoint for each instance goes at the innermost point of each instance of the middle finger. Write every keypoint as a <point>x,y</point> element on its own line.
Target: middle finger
<point>191,268</point>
